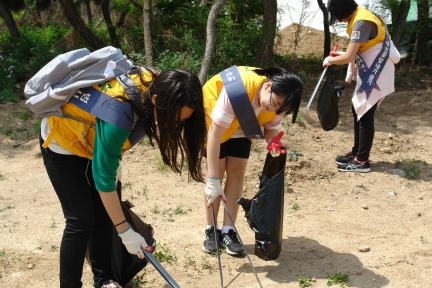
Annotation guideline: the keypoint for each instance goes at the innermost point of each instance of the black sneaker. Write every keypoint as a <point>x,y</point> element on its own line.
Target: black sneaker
<point>355,166</point>
<point>209,244</point>
<point>344,159</point>
<point>231,242</point>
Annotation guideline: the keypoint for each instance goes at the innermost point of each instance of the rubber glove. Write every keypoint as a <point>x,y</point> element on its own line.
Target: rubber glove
<point>212,190</point>
<point>134,242</point>
<point>326,62</point>
<point>275,144</point>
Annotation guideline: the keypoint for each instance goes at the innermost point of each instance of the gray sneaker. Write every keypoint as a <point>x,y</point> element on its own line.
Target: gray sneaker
<point>231,242</point>
<point>209,244</point>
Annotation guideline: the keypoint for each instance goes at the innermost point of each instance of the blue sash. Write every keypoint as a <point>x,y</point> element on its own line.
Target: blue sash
<point>241,104</point>
<point>369,76</point>
<point>110,110</point>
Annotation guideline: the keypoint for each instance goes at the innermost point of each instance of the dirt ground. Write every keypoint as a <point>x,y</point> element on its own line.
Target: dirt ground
<point>329,216</point>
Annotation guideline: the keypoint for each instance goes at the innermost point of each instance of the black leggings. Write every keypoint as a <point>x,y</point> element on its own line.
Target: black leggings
<point>364,132</point>
<point>88,225</point>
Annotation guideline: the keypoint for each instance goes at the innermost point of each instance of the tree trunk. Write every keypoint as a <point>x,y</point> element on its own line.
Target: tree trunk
<point>108,22</point>
<point>148,43</point>
<point>211,40</point>
<point>326,28</point>
<point>265,51</point>
<point>423,30</point>
<point>399,22</point>
<point>89,13</point>
<point>77,22</point>
<point>9,20</point>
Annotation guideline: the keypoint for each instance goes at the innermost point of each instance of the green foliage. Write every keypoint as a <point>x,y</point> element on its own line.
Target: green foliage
<point>304,282</point>
<point>165,255</point>
<point>293,155</point>
<point>412,172</point>
<point>23,57</point>
<point>338,278</point>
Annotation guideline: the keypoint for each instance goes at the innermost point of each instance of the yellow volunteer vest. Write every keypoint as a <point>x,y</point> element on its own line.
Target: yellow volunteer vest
<point>364,14</point>
<point>77,137</point>
<point>251,81</point>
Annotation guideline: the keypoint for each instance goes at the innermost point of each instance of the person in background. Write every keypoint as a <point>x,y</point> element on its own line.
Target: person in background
<point>371,56</point>
<point>273,92</point>
<point>83,161</point>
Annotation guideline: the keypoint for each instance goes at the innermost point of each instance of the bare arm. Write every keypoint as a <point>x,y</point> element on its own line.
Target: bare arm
<point>213,149</point>
<point>112,205</point>
<point>349,55</point>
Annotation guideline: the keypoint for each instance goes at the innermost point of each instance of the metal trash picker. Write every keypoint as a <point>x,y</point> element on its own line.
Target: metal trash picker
<point>160,269</point>
<point>320,80</point>
<point>217,244</point>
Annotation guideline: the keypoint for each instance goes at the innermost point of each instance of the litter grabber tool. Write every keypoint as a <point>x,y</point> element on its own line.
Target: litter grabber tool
<point>217,244</point>
<point>320,79</point>
<point>241,242</point>
<point>160,269</point>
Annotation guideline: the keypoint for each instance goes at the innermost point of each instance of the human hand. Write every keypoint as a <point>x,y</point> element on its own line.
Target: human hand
<point>275,144</point>
<point>212,190</point>
<point>134,242</point>
<point>326,62</point>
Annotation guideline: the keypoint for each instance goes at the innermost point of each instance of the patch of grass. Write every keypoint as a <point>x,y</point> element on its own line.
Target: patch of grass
<point>9,132</point>
<point>145,141</point>
<point>205,264</point>
<point>7,208</point>
<point>7,259</point>
<point>293,155</point>
<point>25,115</point>
<point>126,185</point>
<point>37,126</point>
<point>178,210</point>
<point>155,209</point>
<point>37,155</point>
<point>164,254</point>
<point>53,224</point>
<point>189,262</point>
<point>299,119</point>
<point>160,165</point>
<point>295,206</point>
<point>1,177</point>
<point>338,278</point>
<point>304,282</point>
<point>412,172</point>
<point>54,248</point>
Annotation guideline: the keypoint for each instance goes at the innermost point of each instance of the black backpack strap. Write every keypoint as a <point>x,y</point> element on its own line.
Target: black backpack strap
<point>240,102</point>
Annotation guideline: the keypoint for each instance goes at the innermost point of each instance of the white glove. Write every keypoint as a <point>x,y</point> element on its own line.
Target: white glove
<point>212,190</point>
<point>134,242</point>
<point>119,173</point>
<point>326,62</point>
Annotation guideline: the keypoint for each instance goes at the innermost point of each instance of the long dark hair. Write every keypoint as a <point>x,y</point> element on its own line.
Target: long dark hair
<point>340,9</point>
<point>287,85</point>
<point>178,141</point>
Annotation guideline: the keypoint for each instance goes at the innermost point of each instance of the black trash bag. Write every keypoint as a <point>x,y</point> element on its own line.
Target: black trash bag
<point>126,266</point>
<point>264,212</point>
<point>328,102</point>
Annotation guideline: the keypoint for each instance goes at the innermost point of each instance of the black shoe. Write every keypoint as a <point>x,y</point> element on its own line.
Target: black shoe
<point>231,242</point>
<point>209,244</point>
<point>344,159</point>
<point>355,166</point>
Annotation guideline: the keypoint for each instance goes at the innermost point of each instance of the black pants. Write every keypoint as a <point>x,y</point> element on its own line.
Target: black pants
<point>364,132</point>
<point>88,225</point>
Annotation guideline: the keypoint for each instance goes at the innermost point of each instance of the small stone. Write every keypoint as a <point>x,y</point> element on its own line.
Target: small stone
<point>419,214</point>
<point>398,172</point>
<point>364,248</point>
<point>30,266</point>
<point>366,207</point>
<point>330,209</point>
<point>386,150</point>
<point>392,194</point>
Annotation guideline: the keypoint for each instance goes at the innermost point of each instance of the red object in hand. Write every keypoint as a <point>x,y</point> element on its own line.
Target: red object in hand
<point>276,144</point>
<point>333,52</point>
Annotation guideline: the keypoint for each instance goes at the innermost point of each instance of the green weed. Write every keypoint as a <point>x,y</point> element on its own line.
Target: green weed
<point>7,208</point>
<point>205,264</point>
<point>295,206</point>
<point>137,281</point>
<point>160,165</point>
<point>178,210</point>
<point>25,115</point>
<point>304,282</point>
<point>1,177</point>
<point>164,254</point>
<point>189,262</point>
<point>155,209</point>
<point>293,155</point>
<point>54,248</point>
<point>299,119</point>
<point>412,172</point>
<point>338,278</point>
